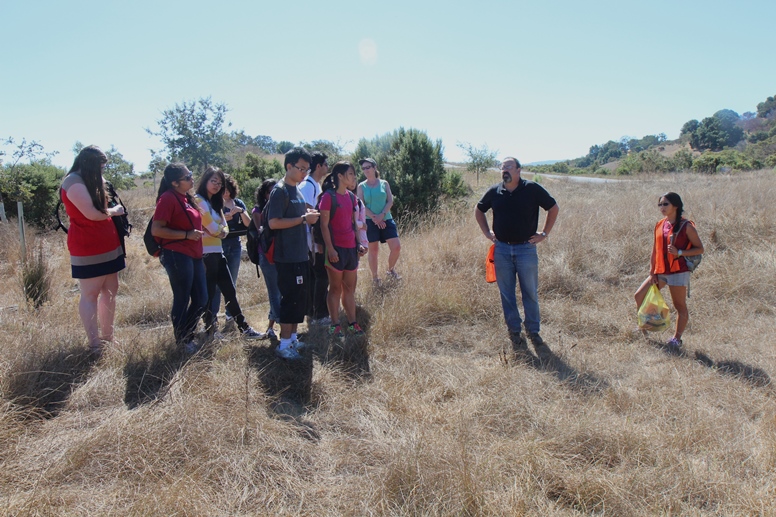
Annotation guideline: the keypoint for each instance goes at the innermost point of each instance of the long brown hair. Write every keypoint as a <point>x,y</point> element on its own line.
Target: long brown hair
<point>88,164</point>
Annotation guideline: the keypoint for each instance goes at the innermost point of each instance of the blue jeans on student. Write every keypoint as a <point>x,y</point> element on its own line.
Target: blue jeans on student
<point>518,263</point>
<point>233,254</point>
<point>270,275</point>
<point>189,292</point>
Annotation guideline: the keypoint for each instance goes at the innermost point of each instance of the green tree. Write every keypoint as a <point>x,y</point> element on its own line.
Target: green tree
<point>15,182</point>
<point>193,133</point>
<point>764,109</point>
<point>284,146</point>
<point>333,150</point>
<point>413,165</point>
<point>689,127</point>
<point>480,158</point>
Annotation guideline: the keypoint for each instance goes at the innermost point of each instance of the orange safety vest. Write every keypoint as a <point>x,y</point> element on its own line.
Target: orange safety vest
<point>665,263</point>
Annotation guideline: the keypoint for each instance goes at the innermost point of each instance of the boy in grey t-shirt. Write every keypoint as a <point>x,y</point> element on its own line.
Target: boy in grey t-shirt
<point>287,215</point>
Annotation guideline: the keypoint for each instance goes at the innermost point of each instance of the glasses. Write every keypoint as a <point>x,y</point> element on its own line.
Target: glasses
<point>215,182</point>
<point>366,167</point>
<point>306,171</point>
<point>663,204</point>
<point>190,177</point>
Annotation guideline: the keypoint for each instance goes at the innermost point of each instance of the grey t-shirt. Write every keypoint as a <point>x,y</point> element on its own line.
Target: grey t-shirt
<point>285,202</point>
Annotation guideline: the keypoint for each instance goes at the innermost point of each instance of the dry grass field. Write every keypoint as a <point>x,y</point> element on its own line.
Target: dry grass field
<point>435,418</point>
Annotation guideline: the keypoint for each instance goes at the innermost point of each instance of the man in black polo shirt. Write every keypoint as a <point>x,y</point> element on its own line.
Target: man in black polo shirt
<point>515,203</point>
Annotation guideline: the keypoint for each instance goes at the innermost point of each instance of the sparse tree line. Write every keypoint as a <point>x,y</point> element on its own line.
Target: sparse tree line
<point>725,141</point>
<point>196,133</point>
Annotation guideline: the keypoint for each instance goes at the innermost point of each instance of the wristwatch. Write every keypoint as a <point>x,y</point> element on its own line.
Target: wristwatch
<point>543,234</point>
<point>680,253</point>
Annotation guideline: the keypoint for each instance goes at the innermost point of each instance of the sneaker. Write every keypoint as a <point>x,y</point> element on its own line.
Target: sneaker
<point>356,329</point>
<point>298,345</point>
<point>249,333</point>
<point>288,352</point>
<point>217,335</point>
<point>392,275</point>
<point>270,334</point>
<point>190,348</point>
<point>674,343</point>
<point>229,326</point>
<point>376,282</point>
<point>536,339</point>
<point>335,331</point>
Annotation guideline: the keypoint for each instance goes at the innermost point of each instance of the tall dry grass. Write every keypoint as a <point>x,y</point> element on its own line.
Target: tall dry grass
<point>443,424</point>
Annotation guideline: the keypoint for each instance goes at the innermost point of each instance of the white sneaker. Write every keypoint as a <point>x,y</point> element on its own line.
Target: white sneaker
<point>289,352</point>
<point>249,333</point>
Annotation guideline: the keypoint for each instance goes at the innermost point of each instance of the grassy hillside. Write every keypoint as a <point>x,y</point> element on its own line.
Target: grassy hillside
<point>436,419</point>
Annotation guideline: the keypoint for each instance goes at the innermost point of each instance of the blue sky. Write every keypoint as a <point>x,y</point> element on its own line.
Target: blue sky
<point>538,80</point>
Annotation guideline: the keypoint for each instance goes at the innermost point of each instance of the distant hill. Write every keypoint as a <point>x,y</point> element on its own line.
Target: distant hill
<point>725,141</point>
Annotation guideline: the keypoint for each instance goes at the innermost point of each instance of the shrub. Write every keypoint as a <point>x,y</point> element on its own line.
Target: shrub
<point>36,278</point>
<point>37,186</point>
<point>453,185</point>
<point>412,164</point>
<point>255,170</point>
<point>645,161</point>
<point>682,160</point>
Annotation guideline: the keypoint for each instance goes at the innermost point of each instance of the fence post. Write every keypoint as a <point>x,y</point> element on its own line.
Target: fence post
<point>20,212</point>
<point>3,218</point>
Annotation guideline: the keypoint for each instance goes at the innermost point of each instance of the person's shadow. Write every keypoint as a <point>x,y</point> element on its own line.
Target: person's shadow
<point>44,383</point>
<point>553,363</point>
<point>149,377</point>
<point>747,373</point>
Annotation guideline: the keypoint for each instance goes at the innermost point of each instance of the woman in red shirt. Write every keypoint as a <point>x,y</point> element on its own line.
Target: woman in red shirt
<point>675,238</point>
<point>177,227</point>
<point>96,255</point>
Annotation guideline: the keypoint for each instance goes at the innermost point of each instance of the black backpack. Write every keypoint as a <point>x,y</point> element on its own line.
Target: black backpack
<point>317,233</point>
<point>267,234</point>
<point>252,243</point>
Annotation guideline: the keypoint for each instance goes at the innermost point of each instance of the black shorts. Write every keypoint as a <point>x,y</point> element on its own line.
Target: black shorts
<point>293,281</point>
<point>374,234</point>
<point>348,259</point>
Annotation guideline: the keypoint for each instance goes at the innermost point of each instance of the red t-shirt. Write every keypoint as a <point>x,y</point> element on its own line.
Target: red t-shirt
<point>169,209</point>
<point>341,227</point>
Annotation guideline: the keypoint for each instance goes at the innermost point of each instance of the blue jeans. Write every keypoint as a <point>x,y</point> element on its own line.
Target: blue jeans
<point>233,253</point>
<point>518,262</point>
<point>270,274</point>
<point>189,292</point>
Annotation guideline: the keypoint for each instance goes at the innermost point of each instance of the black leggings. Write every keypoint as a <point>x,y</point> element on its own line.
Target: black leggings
<point>217,274</point>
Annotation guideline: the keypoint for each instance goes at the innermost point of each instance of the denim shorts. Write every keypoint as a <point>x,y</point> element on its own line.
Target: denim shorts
<point>676,279</point>
<point>374,234</point>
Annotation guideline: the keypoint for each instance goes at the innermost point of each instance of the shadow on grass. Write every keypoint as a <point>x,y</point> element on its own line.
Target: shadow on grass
<point>288,383</point>
<point>552,363</point>
<point>44,382</point>
<point>149,377</point>
<point>747,373</point>
<point>349,354</point>
<point>750,374</point>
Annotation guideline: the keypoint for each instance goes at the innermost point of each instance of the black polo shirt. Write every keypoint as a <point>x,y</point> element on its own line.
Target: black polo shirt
<point>516,213</point>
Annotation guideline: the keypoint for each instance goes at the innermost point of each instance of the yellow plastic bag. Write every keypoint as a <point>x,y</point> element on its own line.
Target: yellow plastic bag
<point>653,313</point>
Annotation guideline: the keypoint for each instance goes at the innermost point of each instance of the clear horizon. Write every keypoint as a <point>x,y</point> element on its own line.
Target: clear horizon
<point>541,82</point>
